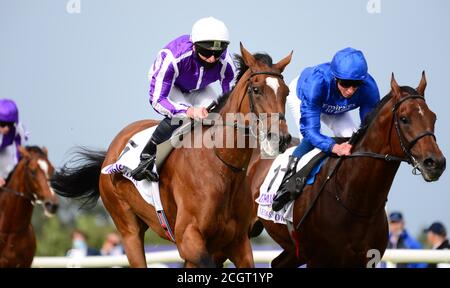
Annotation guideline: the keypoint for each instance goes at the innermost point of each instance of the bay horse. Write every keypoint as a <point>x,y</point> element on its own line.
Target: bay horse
<point>27,185</point>
<point>199,187</point>
<point>341,217</point>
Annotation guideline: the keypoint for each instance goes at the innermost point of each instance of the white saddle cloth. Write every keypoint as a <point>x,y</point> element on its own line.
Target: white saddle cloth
<point>272,183</point>
<point>129,159</point>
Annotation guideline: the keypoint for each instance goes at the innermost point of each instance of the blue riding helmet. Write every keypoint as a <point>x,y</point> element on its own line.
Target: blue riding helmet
<point>349,64</point>
<point>8,111</point>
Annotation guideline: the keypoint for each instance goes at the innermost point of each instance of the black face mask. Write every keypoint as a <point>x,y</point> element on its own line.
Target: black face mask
<point>349,83</point>
<point>208,53</point>
<point>206,49</point>
<point>205,64</point>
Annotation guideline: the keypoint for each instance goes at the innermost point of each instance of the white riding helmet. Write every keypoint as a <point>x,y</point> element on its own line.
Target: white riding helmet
<point>209,29</point>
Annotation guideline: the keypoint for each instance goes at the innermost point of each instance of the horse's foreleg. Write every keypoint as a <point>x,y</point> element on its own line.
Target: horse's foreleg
<point>241,254</point>
<point>192,247</point>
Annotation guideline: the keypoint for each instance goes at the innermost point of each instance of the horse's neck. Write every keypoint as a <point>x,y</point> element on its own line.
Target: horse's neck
<point>16,210</point>
<point>369,180</point>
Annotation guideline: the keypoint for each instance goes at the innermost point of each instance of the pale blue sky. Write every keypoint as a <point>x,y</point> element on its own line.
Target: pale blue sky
<point>80,78</point>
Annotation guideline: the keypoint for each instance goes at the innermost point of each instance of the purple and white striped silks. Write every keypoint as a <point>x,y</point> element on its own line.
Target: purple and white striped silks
<point>177,65</point>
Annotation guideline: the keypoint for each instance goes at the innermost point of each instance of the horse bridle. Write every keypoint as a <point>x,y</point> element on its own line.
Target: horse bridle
<point>247,128</point>
<point>250,91</point>
<point>406,147</point>
<point>33,199</point>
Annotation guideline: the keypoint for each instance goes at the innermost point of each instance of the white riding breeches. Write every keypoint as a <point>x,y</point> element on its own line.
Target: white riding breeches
<point>342,125</point>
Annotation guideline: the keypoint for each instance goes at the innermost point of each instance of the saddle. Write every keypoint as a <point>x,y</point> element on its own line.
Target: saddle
<point>291,189</point>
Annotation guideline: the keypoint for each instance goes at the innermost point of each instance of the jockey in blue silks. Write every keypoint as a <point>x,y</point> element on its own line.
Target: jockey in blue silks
<point>12,135</point>
<point>326,93</point>
<point>180,81</point>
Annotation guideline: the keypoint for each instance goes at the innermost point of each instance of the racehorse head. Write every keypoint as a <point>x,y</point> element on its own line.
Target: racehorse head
<point>35,170</point>
<point>414,123</point>
<point>266,92</point>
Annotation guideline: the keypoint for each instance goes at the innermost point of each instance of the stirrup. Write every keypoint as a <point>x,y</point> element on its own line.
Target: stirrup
<point>144,169</point>
<point>291,169</point>
<point>283,194</point>
<point>287,192</point>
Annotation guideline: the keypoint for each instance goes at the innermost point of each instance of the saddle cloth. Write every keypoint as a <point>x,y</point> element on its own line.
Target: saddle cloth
<point>272,183</point>
<point>130,157</point>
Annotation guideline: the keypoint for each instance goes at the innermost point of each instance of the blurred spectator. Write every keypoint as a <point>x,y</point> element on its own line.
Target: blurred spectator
<point>80,247</point>
<point>399,238</point>
<point>437,238</point>
<point>112,245</point>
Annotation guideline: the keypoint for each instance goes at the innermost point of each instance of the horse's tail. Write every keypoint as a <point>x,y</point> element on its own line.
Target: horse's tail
<point>79,177</point>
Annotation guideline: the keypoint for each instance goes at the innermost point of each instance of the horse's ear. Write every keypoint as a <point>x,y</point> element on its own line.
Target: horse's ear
<point>45,150</point>
<point>284,62</point>
<point>395,88</point>
<point>249,60</point>
<point>422,85</point>
<point>24,152</point>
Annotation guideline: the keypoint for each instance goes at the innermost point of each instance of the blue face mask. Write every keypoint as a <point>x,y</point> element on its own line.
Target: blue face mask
<point>79,244</point>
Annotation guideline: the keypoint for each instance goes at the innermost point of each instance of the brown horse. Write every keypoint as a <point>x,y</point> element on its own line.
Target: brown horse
<point>199,187</point>
<point>27,185</point>
<point>339,218</point>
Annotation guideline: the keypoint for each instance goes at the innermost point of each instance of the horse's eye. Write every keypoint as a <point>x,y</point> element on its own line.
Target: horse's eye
<point>256,90</point>
<point>404,120</point>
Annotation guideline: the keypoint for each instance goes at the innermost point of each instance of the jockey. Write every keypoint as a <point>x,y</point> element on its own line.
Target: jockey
<point>180,81</point>
<point>12,135</point>
<point>326,93</point>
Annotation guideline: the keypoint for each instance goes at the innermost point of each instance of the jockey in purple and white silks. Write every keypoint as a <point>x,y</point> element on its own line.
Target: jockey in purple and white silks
<point>12,135</point>
<point>326,93</point>
<point>180,81</point>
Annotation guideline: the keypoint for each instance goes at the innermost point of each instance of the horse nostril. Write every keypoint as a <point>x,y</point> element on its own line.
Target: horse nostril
<point>429,163</point>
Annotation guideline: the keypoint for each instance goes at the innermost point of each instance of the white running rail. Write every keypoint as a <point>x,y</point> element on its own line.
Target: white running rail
<point>159,259</point>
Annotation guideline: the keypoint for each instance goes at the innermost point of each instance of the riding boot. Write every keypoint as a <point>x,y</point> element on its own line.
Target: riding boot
<point>283,195</point>
<point>145,168</point>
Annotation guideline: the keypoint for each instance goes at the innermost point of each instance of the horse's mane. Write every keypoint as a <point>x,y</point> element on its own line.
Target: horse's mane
<point>35,149</point>
<point>369,118</point>
<point>241,69</point>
